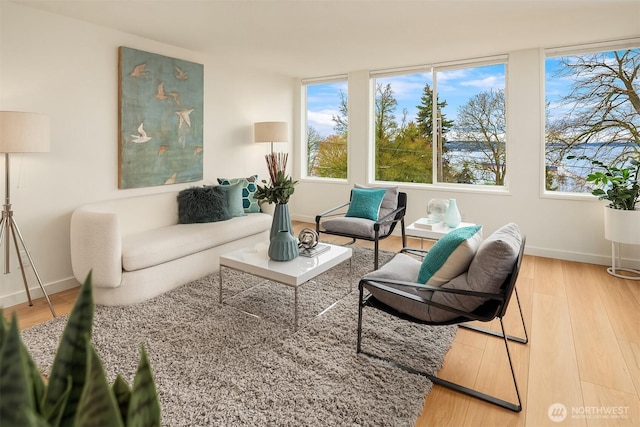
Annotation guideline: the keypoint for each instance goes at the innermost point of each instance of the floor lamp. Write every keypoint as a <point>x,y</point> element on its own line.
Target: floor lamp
<point>20,133</point>
<point>271,132</point>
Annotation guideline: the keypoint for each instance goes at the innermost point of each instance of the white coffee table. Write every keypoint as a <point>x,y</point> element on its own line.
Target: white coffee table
<point>435,233</point>
<point>255,261</point>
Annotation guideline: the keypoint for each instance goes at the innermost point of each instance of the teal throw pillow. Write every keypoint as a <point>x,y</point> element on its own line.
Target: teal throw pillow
<point>202,204</point>
<point>249,187</point>
<point>450,256</point>
<point>365,203</point>
<point>233,193</point>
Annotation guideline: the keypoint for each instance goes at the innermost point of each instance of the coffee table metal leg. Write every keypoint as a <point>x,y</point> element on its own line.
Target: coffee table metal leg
<point>220,287</point>
<point>295,308</point>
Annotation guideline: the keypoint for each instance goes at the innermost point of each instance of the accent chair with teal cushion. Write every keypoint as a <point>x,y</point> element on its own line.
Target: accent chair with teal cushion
<point>480,292</point>
<point>355,218</point>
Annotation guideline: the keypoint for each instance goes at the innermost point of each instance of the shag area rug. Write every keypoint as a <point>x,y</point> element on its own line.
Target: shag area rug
<point>217,365</point>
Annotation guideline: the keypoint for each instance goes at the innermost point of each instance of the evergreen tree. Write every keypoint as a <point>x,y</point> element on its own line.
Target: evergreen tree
<point>424,116</point>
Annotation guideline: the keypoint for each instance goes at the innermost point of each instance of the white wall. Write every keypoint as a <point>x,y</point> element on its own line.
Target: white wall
<point>569,229</point>
<point>68,69</point>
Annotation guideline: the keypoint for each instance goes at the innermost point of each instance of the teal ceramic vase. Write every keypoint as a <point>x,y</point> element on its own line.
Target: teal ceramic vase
<point>281,220</point>
<point>452,217</point>
<point>283,246</point>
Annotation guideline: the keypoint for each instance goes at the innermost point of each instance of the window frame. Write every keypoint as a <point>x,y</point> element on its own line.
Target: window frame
<point>433,68</point>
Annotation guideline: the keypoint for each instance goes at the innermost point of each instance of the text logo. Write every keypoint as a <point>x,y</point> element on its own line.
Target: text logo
<point>557,412</point>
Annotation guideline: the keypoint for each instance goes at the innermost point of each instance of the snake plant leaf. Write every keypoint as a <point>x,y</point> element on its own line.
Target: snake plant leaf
<point>39,387</point>
<point>122,392</point>
<point>71,357</point>
<point>97,405</point>
<point>15,380</point>
<point>144,407</point>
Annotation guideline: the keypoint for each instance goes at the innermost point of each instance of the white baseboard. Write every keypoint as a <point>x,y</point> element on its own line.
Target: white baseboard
<point>20,297</point>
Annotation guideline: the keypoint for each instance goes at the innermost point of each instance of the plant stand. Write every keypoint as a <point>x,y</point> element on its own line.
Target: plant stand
<point>621,226</point>
<point>615,264</point>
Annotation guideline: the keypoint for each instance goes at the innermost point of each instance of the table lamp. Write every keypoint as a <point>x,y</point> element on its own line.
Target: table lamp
<point>271,132</point>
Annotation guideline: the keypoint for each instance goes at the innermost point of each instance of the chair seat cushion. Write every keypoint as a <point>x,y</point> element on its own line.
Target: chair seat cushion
<point>450,256</point>
<point>404,268</point>
<point>361,227</point>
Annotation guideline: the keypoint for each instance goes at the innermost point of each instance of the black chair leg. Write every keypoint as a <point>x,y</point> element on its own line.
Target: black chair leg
<point>515,407</point>
<point>360,306</point>
<point>498,334</point>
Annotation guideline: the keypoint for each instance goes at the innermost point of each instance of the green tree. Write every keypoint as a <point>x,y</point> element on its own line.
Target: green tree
<point>386,125</point>
<point>603,106</point>
<point>332,157</point>
<point>403,154</point>
<point>424,116</point>
<point>313,141</point>
<point>341,121</point>
<point>481,123</point>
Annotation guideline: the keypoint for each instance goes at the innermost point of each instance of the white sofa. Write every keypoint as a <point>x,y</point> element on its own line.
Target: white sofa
<point>137,249</point>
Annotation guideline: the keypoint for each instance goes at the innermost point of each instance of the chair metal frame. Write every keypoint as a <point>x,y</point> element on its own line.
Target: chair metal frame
<point>494,307</point>
<point>394,217</point>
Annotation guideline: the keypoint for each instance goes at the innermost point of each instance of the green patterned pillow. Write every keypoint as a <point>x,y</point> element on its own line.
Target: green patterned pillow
<point>249,187</point>
<point>366,202</point>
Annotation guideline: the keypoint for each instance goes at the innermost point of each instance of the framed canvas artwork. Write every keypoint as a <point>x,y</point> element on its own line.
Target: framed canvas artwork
<point>160,119</point>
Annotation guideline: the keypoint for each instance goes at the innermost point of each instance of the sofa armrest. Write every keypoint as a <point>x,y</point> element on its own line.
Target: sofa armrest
<point>96,244</point>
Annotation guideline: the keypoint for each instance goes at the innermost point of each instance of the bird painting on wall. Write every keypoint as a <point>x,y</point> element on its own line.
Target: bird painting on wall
<point>139,71</point>
<point>183,115</point>
<point>142,135</point>
<point>162,95</point>
<point>182,75</point>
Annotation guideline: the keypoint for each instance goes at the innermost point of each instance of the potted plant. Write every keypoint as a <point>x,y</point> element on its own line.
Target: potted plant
<point>278,191</point>
<point>77,391</point>
<point>621,188</point>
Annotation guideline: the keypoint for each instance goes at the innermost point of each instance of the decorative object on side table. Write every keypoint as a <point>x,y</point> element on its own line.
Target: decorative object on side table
<point>436,209</point>
<point>309,245</point>
<point>452,218</point>
<point>621,216</point>
<point>278,191</point>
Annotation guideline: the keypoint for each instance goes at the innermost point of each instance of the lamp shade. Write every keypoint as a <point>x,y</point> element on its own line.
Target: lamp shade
<point>271,132</point>
<point>24,132</point>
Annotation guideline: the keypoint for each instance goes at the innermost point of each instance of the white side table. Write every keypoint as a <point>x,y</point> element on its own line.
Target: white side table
<point>435,233</point>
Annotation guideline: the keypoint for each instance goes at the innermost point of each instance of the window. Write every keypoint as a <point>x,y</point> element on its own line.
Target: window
<point>462,108</point>
<point>326,124</point>
<point>592,109</point>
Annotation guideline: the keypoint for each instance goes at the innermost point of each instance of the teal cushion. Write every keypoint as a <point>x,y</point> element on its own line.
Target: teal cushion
<point>249,187</point>
<point>233,193</point>
<point>202,204</point>
<point>450,256</point>
<point>365,203</point>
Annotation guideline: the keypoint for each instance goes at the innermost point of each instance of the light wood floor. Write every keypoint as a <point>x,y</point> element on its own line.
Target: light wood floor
<point>583,352</point>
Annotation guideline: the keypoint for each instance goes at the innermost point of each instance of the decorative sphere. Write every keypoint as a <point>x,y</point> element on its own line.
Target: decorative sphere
<point>436,209</point>
<point>308,238</point>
